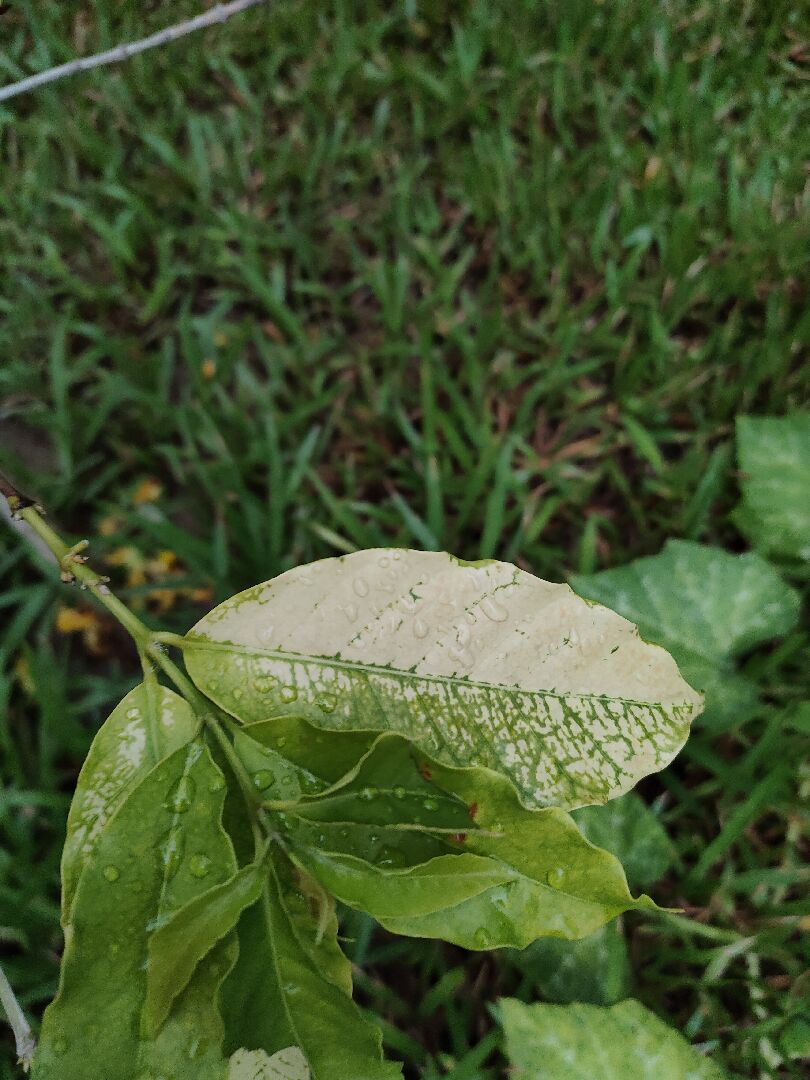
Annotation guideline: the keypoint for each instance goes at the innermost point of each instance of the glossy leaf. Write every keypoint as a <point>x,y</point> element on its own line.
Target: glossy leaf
<point>580,1042</point>
<point>149,724</point>
<point>774,458</point>
<point>595,969</point>
<point>632,832</point>
<point>177,946</point>
<point>477,663</point>
<point>292,984</point>
<point>514,874</point>
<point>707,607</point>
<point>163,847</point>
<point>289,1064</point>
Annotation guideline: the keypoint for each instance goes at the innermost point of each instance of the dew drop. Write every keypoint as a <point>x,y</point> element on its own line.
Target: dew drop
<point>326,702</point>
<point>360,586</point>
<point>199,865</point>
<point>368,793</point>
<point>430,803</point>
<point>556,877</point>
<point>350,611</point>
<point>181,795</point>
<point>237,693</point>
<point>288,694</point>
<point>420,628</point>
<point>400,792</point>
<point>111,873</point>
<point>281,741</point>
<point>217,784</point>
<point>493,610</point>
<point>263,779</point>
<point>265,634</point>
<point>482,939</point>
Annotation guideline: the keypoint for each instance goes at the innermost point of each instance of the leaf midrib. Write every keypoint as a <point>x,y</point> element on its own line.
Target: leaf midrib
<point>378,669</point>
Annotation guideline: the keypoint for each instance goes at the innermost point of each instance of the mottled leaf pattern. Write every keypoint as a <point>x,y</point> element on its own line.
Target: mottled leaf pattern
<point>581,1042</point>
<point>774,458</point>
<point>148,725</point>
<point>477,663</point>
<point>289,1064</point>
<point>707,607</point>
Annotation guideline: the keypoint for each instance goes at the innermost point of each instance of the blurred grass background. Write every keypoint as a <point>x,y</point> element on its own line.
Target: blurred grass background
<point>491,277</point>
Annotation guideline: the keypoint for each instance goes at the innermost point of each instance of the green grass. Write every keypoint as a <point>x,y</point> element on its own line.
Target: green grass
<point>491,277</point>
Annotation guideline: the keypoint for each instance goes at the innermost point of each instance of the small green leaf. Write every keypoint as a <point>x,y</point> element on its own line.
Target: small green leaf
<point>514,874</point>
<point>580,1042</point>
<point>142,868</point>
<point>289,1064</point>
<point>478,664</point>
<point>595,969</point>
<point>322,756</point>
<point>149,724</point>
<point>177,946</point>
<point>292,984</point>
<point>774,458</point>
<point>629,830</point>
<point>707,607</point>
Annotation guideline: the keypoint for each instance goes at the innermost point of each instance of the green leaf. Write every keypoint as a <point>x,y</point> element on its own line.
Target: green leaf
<point>477,663</point>
<point>163,847</point>
<point>289,1064</point>
<point>177,946</point>
<point>514,874</point>
<point>292,984</point>
<point>595,969</point>
<point>707,608</point>
<point>774,458</point>
<point>580,1042</point>
<point>631,831</point>
<point>149,724</point>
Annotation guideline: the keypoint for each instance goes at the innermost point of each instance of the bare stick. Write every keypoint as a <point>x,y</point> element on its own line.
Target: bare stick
<point>23,1036</point>
<point>218,14</point>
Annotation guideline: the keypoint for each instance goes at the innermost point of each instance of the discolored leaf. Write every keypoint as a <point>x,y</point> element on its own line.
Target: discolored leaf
<point>774,457</point>
<point>629,830</point>
<point>163,847</point>
<point>292,984</point>
<point>580,1042</point>
<point>289,1064</point>
<point>143,729</point>
<point>177,945</point>
<point>707,607</point>
<point>477,663</point>
<point>595,969</point>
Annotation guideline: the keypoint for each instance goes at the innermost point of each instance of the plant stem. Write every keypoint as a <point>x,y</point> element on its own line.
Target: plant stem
<point>23,1036</point>
<point>73,566</point>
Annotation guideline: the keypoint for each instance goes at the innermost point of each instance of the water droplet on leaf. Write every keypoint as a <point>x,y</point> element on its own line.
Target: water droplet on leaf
<point>199,865</point>
<point>263,779</point>
<point>288,694</point>
<point>493,610</point>
<point>181,795</point>
<point>556,877</point>
<point>482,939</point>
<point>111,873</point>
<point>369,793</point>
<point>326,702</point>
<point>420,628</point>
<point>400,792</point>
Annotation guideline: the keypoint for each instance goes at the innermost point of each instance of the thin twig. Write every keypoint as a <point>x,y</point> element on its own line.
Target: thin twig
<point>218,14</point>
<point>23,1036</point>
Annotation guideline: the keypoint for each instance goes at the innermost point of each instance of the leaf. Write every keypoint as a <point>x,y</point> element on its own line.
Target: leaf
<point>149,724</point>
<point>631,831</point>
<point>707,607</point>
<point>289,1064</point>
<point>580,1042</point>
<point>774,458</point>
<point>595,969</point>
<point>514,874</point>
<point>292,985</point>
<point>477,663</point>
<point>177,946</point>
<point>145,865</point>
